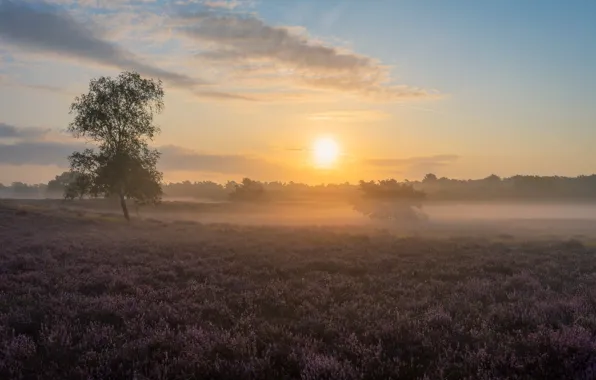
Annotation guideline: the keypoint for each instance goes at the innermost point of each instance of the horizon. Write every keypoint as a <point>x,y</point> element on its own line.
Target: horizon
<point>354,183</point>
<point>401,89</point>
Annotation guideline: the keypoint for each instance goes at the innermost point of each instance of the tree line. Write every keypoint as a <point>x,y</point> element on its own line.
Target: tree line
<point>117,114</point>
<point>489,188</point>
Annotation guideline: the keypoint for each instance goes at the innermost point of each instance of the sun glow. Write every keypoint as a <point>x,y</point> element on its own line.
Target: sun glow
<point>325,152</point>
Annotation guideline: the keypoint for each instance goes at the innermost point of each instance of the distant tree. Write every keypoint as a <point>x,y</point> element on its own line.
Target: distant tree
<point>390,189</point>
<point>200,190</point>
<point>117,115</point>
<point>79,186</point>
<point>430,177</point>
<point>248,190</point>
<point>60,182</point>
<point>230,186</point>
<point>493,178</point>
<point>20,189</point>
<point>390,200</point>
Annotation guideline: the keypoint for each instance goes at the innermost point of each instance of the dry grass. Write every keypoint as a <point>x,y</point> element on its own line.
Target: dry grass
<point>85,298</point>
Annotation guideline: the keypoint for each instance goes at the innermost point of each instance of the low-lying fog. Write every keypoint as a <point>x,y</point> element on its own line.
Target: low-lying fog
<point>571,219</point>
<point>568,219</point>
<point>499,211</point>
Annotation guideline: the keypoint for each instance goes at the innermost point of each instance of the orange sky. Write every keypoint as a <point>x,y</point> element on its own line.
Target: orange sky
<point>404,88</point>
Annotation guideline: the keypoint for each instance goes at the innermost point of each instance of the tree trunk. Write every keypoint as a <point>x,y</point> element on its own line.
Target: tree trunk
<point>124,208</point>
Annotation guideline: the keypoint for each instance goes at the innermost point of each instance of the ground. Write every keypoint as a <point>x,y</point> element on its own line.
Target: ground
<point>93,297</point>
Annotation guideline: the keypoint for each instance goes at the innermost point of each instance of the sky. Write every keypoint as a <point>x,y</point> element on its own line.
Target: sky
<point>460,88</point>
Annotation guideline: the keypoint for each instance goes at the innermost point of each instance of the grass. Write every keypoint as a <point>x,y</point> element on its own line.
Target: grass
<point>82,298</point>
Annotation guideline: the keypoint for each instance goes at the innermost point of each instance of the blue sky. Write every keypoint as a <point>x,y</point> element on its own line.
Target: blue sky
<point>460,88</point>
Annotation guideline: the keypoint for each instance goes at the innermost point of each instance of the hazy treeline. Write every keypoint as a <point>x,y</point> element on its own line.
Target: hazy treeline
<point>489,188</point>
<point>275,190</point>
<point>516,187</point>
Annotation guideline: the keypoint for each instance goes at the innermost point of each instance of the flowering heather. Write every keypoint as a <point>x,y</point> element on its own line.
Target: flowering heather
<point>86,298</point>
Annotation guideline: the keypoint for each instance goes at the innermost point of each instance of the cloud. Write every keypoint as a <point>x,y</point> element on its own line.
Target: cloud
<point>44,87</point>
<point>6,81</point>
<point>179,159</point>
<point>274,53</point>
<point>440,159</point>
<point>173,158</point>
<point>412,166</point>
<point>101,4</point>
<point>37,153</point>
<point>223,4</point>
<point>244,57</point>
<point>349,116</point>
<point>58,33</point>
<point>213,94</point>
<point>228,5</point>
<point>33,148</point>
<point>11,131</point>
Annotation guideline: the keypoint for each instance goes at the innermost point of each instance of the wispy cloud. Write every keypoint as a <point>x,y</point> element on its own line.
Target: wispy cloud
<point>57,32</point>
<point>239,56</point>
<point>222,4</point>
<point>13,132</point>
<point>101,4</point>
<point>226,5</point>
<point>440,159</point>
<point>349,116</point>
<point>180,159</point>
<point>37,153</point>
<point>415,167</point>
<point>36,146</point>
<point>5,80</point>
<point>31,150</point>
<point>276,54</point>
<point>213,94</point>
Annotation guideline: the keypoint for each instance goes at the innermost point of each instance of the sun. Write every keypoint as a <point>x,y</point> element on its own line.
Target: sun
<point>325,152</point>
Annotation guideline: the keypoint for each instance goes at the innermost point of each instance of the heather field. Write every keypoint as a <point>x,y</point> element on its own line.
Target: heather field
<point>92,297</point>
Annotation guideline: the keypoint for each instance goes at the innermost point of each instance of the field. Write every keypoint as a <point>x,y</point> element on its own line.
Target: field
<point>88,296</point>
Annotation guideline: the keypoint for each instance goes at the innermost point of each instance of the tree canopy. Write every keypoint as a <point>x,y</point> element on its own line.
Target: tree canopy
<point>60,183</point>
<point>390,189</point>
<point>116,115</point>
<point>248,190</point>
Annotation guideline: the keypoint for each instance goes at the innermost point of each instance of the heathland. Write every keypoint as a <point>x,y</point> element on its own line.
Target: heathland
<point>89,296</point>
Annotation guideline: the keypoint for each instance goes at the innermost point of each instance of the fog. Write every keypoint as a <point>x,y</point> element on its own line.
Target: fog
<point>514,210</point>
<point>562,219</point>
<point>437,212</point>
<point>524,220</point>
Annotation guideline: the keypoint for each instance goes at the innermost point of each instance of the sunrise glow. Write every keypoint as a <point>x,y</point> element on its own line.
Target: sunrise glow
<point>325,152</point>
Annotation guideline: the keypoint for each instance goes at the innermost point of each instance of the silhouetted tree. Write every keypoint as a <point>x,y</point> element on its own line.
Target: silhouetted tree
<point>203,189</point>
<point>493,178</point>
<point>79,186</point>
<point>230,186</point>
<point>390,200</point>
<point>21,189</point>
<point>489,188</point>
<point>117,115</point>
<point>248,190</point>
<point>430,177</point>
<point>59,184</point>
<point>390,189</point>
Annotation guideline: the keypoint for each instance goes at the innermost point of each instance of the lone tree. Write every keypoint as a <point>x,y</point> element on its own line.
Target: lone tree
<point>390,200</point>
<point>117,116</point>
